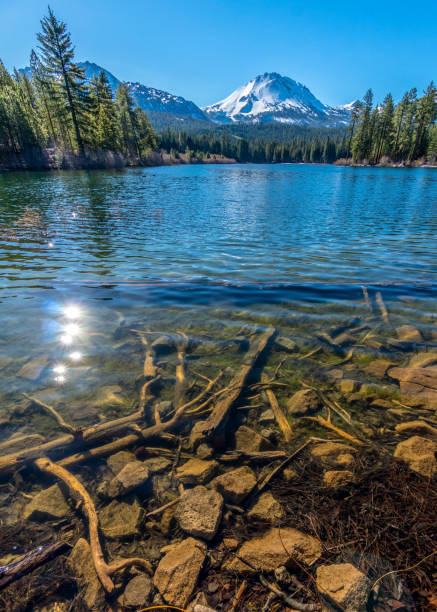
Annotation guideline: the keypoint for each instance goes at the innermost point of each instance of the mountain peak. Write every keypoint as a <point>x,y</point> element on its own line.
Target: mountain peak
<point>273,97</point>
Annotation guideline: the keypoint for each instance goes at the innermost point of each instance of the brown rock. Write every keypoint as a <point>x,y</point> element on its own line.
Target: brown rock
<point>305,401</point>
<point>230,543</point>
<point>409,333</point>
<point>266,508</point>
<point>419,453</point>
<point>82,566</point>
<point>138,592</point>
<point>268,416</point>
<point>273,549</point>
<point>334,453</point>
<point>177,572</point>
<point>204,451</point>
<point>155,465</point>
<point>249,440</point>
<point>423,360</point>
<point>378,368</point>
<point>196,471</point>
<point>236,484</point>
<point>286,344</point>
<point>48,505</point>
<point>348,385</point>
<point>337,478</point>
<point>199,512</point>
<point>132,476</point>
<point>120,520</point>
<point>117,461</point>
<point>417,383</point>
<point>412,427</point>
<point>345,585</point>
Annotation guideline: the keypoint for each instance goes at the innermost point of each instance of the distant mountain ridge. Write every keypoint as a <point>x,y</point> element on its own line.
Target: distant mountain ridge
<point>268,98</point>
<point>271,97</point>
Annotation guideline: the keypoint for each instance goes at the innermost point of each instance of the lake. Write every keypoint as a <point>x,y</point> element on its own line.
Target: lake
<point>188,265</point>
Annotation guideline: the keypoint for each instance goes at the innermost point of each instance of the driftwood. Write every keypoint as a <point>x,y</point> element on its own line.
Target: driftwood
<point>217,420</point>
<point>37,558</point>
<point>382,308</point>
<point>280,417</point>
<point>78,491</point>
<point>53,413</point>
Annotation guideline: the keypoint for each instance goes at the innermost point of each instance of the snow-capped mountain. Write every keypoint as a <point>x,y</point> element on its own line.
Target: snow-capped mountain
<point>149,98</point>
<point>272,97</point>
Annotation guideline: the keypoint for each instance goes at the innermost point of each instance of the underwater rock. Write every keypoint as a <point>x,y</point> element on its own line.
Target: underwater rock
<point>199,512</point>
<point>286,344</point>
<point>236,484</point>
<point>335,479</point>
<point>196,471</point>
<point>416,427</point>
<point>177,573</point>
<point>378,368</point>
<point>163,344</point>
<point>334,453</point>
<point>303,402</point>
<point>137,592</point>
<point>121,520</point>
<point>409,333</point>
<point>345,585</point>
<point>249,440</point>
<point>275,548</point>
<point>347,385</point>
<point>419,453</point>
<point>48,505</point>
<point>155,465</point>
<point>82,566</point>
<point>423,360</point>
<point>117,461</point>
<point>33,369</point>
<point>266,508</point>
<point>267,416</point>
<point>134,474</point>
<point>417,384</point>
<point>204,451</point>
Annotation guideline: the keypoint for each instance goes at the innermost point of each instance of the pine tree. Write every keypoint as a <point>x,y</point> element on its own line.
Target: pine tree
<point>426,115</point>
<point>362,142</point>
<point>57,59</point>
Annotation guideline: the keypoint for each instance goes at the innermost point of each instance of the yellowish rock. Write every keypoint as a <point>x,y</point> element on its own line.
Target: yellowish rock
<point>419,453</point>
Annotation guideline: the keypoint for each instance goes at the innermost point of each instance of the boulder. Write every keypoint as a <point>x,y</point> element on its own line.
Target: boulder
<point>266,508</point>
<point>286,344</point>
<point>177,573</point>
<point>334,453</point>
<point>132,476</point>
<point>347,385</point>
<point>419,453</point>
<point>409,333</point>
<point>236,484</point>
<point>336,479</point>
<point>249,440</point>
<point>117,461</point>
<point>419,384</point>
<point>137,593</point>
<point>120,520</point>
<point>196,471</point>
<point>199,512</point>
<point>33,369</point>
<point>267,416</point>
<point>344,585</point>
<point>48,505</point>
<point>303,402</point>
<point>378,368</point>
<point>81,563</point>
<point>275,548</point>
<point>155,465</point>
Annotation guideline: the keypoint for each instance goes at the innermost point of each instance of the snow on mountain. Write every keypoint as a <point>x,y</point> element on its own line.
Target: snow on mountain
<point>272,97</point>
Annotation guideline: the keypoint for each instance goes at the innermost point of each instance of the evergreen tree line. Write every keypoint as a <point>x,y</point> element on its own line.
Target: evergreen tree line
<point>405,132</point>
<point>55,107</point>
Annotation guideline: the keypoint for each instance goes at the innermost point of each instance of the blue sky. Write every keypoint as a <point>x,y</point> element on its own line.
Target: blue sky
<point>203,50</point>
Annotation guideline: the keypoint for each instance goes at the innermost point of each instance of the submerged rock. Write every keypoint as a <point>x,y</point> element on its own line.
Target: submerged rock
<point>423,360</point>
<point>177,573</point>
<point>48,505</point>
<point>121,520</point>
<point>409,333</point>
<point>419,453</point>
<point>196,471</point>
<point>334,453</point>
<point>419,384</point>
<point>156,465</point>
<point>82,566</point>
<point>336,479</point>
<point>117,461</point>
<point>33,369</point>
<point>134,474</point>
<point>273,549</point>
<point>378,368</point>
<point>347,385</point>
<point>266,508</point>
<point>236,484</point>
<point>137,592</point>
<point>345,585</point>
<point>249,440</point>
<point>267,416</point>
<point>286,344</point>
<point>199,512</point>
<point>303,402</point>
